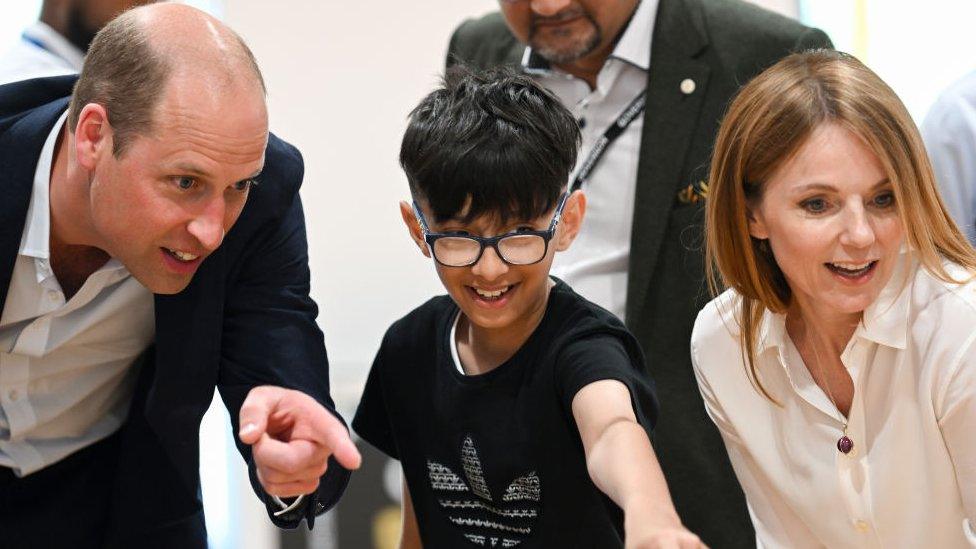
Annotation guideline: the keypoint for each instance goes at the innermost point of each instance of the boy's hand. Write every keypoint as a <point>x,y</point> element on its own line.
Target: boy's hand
<point>645,530</point>
<point>291,437</point>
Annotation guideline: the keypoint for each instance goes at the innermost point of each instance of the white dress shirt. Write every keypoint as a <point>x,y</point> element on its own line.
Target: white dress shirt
<point>949,132</point>
<point>65,367</point>
<point>596,265</point>
<point>41,51</point>
<point>910,481</point>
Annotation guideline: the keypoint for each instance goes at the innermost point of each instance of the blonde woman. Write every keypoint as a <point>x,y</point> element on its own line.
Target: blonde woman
<point>840,364</point>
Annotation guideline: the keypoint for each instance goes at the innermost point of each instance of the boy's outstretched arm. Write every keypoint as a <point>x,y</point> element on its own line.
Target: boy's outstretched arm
<point>409,531</point>
<point>622,464</point>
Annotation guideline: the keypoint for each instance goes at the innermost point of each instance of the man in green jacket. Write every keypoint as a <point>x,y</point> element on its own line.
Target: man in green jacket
<point>648,81</point>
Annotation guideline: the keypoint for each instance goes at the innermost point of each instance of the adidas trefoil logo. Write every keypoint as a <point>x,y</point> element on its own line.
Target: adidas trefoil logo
<point>470,505</point>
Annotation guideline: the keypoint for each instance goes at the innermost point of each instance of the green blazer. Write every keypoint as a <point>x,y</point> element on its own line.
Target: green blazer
<point>719,44</point>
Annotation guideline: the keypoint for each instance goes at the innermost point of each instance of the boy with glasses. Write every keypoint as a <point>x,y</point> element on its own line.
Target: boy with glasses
<point>519,411</point>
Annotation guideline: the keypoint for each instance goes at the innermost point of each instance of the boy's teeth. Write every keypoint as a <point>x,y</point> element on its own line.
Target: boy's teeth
<point>494,293</point>
<point>183,256</point>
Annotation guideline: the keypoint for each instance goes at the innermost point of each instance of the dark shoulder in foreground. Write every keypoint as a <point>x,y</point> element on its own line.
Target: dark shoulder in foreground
<point>16,97</point>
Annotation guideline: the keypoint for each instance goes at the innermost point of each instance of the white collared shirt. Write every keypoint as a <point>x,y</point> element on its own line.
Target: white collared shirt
<point>596,265</point>
<point>40,52</point>
<point>911,479</point>
<point>65,367</point>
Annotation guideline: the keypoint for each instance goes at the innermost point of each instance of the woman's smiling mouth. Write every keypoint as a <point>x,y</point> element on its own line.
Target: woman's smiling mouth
<point>854,272</point>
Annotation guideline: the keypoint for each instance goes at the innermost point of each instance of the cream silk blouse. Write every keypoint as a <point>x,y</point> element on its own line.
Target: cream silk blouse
<point>910,480</point>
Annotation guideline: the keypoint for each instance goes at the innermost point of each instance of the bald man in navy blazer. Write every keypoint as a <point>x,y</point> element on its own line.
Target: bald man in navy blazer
<point>152,248</point>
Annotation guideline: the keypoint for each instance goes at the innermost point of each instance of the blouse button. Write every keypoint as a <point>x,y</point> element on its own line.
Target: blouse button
<point>862,526</point>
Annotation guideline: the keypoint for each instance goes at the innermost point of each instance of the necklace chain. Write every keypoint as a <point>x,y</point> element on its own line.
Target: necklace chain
<point>826,382</point>
<point>830,394</point>
<point>844,443</point>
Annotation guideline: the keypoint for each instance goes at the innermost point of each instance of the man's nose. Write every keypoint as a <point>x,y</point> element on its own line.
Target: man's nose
<point>548,8</point>
<point>490,266</point>
<point>208,225</point>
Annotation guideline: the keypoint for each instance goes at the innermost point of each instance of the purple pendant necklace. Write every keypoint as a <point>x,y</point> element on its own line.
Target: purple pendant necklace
<point>844,443</point>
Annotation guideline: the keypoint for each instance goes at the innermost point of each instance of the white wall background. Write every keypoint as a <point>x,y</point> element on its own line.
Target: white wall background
<point>918,48</point>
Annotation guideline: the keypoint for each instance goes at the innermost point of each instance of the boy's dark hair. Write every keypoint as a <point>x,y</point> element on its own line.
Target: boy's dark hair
<point>494,136</point>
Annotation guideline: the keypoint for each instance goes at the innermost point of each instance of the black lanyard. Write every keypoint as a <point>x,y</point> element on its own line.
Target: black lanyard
<point>633,110</point>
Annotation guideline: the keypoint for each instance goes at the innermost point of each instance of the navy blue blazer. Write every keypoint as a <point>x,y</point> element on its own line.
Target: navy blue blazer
<point>246,319</point>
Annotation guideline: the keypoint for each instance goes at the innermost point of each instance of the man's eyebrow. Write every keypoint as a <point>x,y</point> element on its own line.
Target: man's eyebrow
<point>190,169</point>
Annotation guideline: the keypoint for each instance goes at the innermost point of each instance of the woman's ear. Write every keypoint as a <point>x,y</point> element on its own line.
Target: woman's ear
<point>572,220</point>
<point>757,223</point>
<point>413,226</point>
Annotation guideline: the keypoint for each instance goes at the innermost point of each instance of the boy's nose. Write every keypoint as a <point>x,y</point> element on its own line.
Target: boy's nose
<point>490,266</point>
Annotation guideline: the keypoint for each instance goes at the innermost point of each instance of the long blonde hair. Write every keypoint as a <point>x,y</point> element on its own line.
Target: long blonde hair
<point>770,119</point>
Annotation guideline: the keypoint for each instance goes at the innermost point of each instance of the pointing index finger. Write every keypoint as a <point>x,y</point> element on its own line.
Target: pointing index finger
<point>334,435</point>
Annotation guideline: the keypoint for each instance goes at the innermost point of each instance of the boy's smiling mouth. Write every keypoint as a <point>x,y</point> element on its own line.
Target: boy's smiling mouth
<point>493,297</point>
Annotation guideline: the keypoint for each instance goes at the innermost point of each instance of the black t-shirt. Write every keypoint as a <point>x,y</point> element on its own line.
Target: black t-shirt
<point>496,460</point>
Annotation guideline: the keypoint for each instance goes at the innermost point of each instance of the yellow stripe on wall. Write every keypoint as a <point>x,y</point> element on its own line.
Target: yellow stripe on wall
<point>861,30</point>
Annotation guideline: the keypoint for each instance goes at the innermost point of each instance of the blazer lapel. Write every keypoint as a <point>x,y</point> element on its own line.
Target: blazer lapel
<point>21,146</point>
<point>669,123</point>
<point>187,353</point>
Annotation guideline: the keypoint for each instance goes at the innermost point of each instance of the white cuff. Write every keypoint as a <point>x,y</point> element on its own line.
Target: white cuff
<point>969,531</point>
<point>284,506</point>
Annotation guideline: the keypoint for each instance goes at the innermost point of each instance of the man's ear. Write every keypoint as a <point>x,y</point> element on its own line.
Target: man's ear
<point>413,227</point>
<point>93,135</point>
<point>572,220</point>
<point>757,224</point>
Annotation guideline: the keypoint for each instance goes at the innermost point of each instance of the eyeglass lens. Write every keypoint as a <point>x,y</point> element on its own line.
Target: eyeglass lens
<point>515,249</point>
